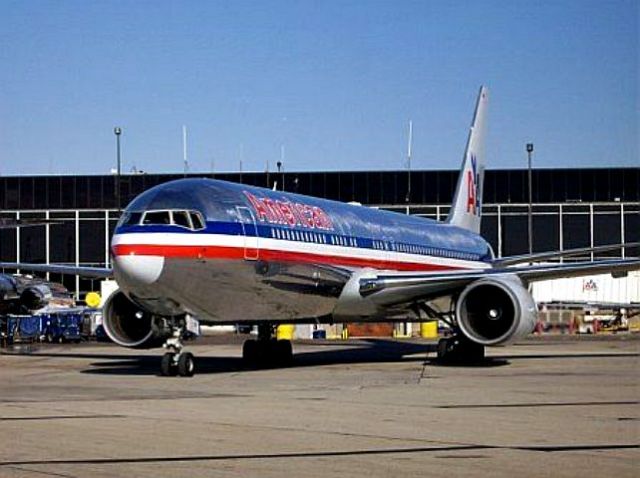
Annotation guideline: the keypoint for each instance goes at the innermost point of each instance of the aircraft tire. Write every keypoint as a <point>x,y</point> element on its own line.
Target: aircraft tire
<point>459,350</point>
<point>443,345</point>
<point>167,367</point>
<point>250,351</point>
<point>186,365</point>
<point>283,352</point>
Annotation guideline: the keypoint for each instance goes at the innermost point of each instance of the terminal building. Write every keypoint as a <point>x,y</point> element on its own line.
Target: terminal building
<point>571,208</point>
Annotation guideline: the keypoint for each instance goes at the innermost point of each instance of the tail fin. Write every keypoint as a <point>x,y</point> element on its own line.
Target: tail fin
<point>466,209</point>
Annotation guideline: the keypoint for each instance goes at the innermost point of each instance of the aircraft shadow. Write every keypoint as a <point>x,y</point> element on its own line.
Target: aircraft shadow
<point>364,351</point>
<point>323,353</point>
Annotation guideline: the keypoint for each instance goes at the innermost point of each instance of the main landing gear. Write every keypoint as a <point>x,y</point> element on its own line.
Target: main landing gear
<point>267,350</point>
<point>458,349</point>
<point>176,361</point>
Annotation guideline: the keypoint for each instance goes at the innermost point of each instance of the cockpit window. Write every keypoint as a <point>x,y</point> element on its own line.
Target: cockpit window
<point>189,219</point>
<point>196,219</point>
<point>157,217</point>
<point>181,218</point>
<point>130,219</point>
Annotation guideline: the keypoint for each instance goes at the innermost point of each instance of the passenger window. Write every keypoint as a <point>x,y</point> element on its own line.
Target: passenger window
<point>157,217</point>
<point>196,219</point>
<point>181,218</point>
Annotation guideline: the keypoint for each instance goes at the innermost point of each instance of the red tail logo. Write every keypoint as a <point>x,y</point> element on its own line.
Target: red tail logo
<point>473,179</point>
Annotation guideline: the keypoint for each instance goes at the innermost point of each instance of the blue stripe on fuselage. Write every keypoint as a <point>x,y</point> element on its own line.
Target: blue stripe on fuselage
<point>304,235</point>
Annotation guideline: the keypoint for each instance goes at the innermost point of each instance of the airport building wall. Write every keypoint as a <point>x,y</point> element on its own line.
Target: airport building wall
<point>571,208</point>
<point>596,289</point>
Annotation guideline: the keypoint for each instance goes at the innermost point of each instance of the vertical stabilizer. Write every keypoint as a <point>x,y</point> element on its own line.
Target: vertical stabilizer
<point>466,209</point>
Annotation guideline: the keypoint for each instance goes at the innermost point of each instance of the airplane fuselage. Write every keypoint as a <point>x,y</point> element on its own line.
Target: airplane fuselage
<point>228,252</point>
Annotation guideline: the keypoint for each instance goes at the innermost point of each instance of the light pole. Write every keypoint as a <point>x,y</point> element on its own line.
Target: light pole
<point>408,196</point>
<point>530,211</point>
<point>118,131</point>
<point>281,171</point>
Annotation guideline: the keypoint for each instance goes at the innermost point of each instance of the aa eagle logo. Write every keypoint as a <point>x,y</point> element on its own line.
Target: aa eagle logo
<point>473,194</point>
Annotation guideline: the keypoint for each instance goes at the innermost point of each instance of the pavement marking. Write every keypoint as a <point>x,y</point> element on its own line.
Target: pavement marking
<point>320,454</point>
<point>536,405</point>
<point>59,417</point>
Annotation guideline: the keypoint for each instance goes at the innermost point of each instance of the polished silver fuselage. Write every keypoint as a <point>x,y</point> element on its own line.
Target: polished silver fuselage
<point>252,264</point>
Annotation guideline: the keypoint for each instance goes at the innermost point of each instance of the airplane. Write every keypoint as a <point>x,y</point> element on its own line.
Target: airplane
<point>20,294</point>
<point>206,251</point>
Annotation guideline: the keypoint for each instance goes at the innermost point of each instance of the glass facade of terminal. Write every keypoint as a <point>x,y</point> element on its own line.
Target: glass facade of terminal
<point>367,187</point>
<point>571,208</point>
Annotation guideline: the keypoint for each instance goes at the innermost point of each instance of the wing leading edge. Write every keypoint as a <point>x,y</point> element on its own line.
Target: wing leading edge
<point>543,256</point>
<point>97,272</point>
<point>390,288</point>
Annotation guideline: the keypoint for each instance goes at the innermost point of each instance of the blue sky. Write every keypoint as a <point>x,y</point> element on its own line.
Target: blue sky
<point>334,82</point>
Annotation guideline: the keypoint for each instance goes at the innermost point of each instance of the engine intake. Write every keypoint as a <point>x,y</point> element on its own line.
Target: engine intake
<point>496,310</point>
<point>130,325</point>
<point>35,296</point>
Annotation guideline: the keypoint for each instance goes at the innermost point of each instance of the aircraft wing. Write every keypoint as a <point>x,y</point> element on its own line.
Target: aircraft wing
<point>16,223</point>
<point>543,256</point>
<point>389,288</point>
<point>97,272</point>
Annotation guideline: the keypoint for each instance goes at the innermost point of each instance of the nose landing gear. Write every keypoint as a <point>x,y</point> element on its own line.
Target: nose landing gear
<point>176,361</point>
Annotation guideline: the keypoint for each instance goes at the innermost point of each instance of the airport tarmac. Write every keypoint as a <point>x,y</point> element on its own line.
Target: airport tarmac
<point>375,408</point>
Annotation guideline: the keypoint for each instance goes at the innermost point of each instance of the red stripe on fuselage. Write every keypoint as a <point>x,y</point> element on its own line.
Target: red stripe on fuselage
<point>222,252</point>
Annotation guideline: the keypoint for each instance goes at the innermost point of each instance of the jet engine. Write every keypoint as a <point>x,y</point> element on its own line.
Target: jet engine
<point>496,310</point>
<point>35,297</point>
<point>130,325</point>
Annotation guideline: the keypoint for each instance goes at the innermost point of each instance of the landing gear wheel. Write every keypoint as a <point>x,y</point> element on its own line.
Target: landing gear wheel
<point>167,365</point>
<point>459,350</point>
<point>443,345</point>
<point>267,352</point>
<point>283,352</point>
<point>186,365</point>
<point>250,351</point>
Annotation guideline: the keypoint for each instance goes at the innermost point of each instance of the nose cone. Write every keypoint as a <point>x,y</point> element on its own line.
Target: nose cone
<point>138,270</point>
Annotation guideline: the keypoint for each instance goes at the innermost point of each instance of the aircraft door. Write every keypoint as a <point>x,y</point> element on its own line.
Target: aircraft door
<point>390,249</point>
<point>249,233</point>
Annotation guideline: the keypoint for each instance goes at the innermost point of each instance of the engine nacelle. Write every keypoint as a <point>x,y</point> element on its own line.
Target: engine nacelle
<point>130,325</point>
<point>36,296</point>
<point>496,310</point>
